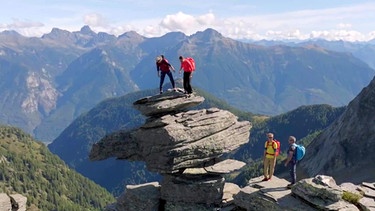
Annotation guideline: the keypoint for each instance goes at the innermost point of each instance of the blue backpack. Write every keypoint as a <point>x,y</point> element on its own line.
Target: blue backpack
<point>300,152</point>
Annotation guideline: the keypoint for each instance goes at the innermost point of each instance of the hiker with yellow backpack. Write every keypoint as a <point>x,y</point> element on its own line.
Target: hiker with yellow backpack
<point>271,151</point>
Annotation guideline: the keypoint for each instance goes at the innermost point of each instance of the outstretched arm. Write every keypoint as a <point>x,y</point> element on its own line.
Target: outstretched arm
<point>181,66</point>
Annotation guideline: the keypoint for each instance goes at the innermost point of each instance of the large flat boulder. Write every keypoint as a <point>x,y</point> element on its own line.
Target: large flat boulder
<point>169,102</point>
<point>269,195</point>
<point>323,193</point>
<point>177,141</point>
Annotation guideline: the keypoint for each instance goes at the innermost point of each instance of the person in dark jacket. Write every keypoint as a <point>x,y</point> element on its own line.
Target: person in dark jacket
<point>164,68</point>
<point>291,160</point>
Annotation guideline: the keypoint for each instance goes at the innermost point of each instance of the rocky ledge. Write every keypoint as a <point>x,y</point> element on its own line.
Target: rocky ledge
<point>14,202</point>
<point>318,193</point>
<point>185,146</point>
<point>312,194</point>
<point>172,140</point>
<point>168,102</point>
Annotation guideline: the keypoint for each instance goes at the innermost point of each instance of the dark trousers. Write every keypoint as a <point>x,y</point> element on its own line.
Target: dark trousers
<point>292,171</point>
<point>186,82</point>
<point>162,76</point>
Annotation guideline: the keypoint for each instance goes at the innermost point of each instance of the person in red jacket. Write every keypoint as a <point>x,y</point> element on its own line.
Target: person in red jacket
<point>188,74</point>
<point>164,68</point>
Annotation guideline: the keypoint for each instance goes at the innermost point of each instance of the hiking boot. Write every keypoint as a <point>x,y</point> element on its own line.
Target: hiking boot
<point>161,92</point>
<point>265,179</point>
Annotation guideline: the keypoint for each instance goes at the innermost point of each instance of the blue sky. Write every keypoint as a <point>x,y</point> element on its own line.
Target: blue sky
<point>239,19</point>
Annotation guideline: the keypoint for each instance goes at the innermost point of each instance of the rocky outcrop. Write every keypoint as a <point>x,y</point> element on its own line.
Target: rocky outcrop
<point>269,195</point>
<point>12,202</point>
<point>185,146</point>
<point>169,102</point>
<point>323,193</point>
<point>347,143</point>
<point>317,193</point>
<point>173,142</point>
<point>142,197</point>
<point>176,141</point>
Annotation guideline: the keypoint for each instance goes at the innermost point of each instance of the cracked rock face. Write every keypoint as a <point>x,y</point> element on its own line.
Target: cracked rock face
<point>177,141</point>
<point>205,190</point>
<point>169,102</point>
<point>184,146</point>
<point>347,143</point>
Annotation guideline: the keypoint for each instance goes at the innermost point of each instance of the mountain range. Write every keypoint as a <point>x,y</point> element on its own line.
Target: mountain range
<point>80,86</point>
<point>48,82</point>
<point>364,51</point>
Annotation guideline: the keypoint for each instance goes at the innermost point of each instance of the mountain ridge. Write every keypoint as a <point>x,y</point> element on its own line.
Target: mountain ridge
<point>255,78</point>
<point>347,142</point>
<point>27,167</point>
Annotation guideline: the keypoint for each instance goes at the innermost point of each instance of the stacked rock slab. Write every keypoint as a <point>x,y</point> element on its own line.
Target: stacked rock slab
<point>185,146</point>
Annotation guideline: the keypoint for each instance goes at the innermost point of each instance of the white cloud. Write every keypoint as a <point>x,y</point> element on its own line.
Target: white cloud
<point>344,26</point>
<point>20,24</point>
<point>355,22</point>
<point>94,20</point>
<point>286,35</point>
<point>348,35</point>
<point>24,27</point>
<point>371,35</point>
<point>187,23</point>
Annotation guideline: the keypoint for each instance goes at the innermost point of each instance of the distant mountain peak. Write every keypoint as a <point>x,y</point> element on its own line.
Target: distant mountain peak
<point>211,32</point>
<point>130,34</point>
<point>11,37</point>
<point>208,35</point>
<point>173,35</point>
<point>56,32</point>
<point>87,30</point>
<point>11,33</point>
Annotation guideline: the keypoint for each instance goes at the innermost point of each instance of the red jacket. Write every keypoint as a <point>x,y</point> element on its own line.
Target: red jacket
<point>163,65</point>
<point>186,66</point>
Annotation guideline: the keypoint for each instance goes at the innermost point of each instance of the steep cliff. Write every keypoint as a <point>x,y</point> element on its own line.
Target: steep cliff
<point>345,149</point>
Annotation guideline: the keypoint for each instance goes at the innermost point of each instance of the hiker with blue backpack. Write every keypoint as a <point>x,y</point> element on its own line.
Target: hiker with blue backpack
<point>295,153</point>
